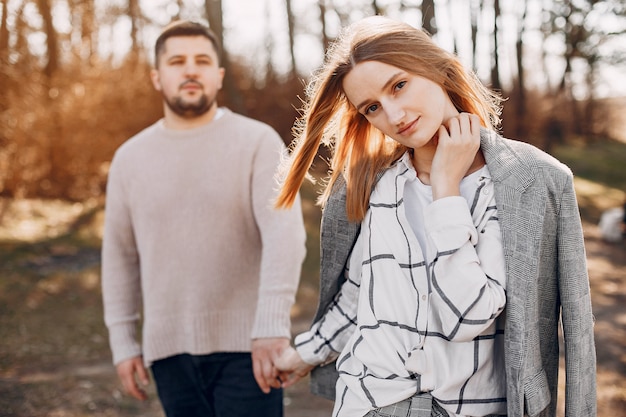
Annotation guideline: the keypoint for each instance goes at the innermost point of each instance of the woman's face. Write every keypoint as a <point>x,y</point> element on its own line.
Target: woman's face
<point>406,107</point>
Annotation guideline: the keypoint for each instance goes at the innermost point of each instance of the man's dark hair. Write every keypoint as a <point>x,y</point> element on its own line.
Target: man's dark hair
<point>184,28</point>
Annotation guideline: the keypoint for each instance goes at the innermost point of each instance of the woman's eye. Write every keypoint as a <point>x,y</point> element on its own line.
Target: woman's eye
<point>400,85</point>
<point>371,109</point>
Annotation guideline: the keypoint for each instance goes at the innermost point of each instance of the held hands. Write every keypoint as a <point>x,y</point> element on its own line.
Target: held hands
<point>292,367</point>
<point>265,352</point>
<point>457,148</point>
<point>276,364</point>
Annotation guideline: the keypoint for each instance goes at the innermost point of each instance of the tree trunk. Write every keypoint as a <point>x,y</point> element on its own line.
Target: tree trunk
<point>4,57</point>
<point>180,4</point>
<point>521,79</point>
<point>376,8</point>
<point>89,28</point>
<point>589,126</point>
<point>290,25</point>
<point>270,74</point>
<point>475,8</point>
<point>428,16</point>
<point>83,18</point>
<point>215,15</point>
<point>49,90</point>
<point>325,39</point>
<point>52,44</point>
<point>134,13</point>
<point>4,72</point>
<point>4,33</point>
<point>495,66</point>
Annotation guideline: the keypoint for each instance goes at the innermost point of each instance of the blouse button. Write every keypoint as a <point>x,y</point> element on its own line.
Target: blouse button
<point>424,297</point>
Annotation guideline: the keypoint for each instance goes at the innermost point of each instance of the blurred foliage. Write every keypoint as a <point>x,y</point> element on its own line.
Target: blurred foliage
<point>65,108</point>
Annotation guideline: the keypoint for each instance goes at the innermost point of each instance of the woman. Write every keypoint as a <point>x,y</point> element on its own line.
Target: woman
<point>432,223</point>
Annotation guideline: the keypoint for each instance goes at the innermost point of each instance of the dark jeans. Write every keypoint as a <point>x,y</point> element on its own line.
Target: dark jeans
<point>215,385</point>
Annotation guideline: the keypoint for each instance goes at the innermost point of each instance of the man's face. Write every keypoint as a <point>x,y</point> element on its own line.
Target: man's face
<point>188,75</point>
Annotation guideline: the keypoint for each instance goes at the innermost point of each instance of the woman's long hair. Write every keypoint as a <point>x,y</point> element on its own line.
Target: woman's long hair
<point>359,150</point>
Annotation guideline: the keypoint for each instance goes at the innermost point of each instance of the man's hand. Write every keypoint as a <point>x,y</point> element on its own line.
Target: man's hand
<point>291,366</point>
<point>129,372</point>
<point>264,353</point>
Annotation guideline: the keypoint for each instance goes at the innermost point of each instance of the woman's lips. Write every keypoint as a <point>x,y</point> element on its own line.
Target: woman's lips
<point>408,128</point>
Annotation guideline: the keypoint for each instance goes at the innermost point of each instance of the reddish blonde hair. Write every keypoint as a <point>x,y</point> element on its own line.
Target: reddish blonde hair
<point>359,150</point>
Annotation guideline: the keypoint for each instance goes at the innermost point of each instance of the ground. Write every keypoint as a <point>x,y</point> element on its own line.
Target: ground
<point>54,359</point>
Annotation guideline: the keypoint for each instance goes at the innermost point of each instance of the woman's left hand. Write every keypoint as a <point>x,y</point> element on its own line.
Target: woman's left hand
<point>291,367</point>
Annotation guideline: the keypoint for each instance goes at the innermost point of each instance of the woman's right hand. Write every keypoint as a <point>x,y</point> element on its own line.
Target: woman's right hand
<point>291,367</point>
<point>457,148</point>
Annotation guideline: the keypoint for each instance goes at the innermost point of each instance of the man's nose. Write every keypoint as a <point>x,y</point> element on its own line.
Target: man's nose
<point>191,69</point>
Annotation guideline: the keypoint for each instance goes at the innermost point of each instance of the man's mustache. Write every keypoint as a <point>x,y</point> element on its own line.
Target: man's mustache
<point>194,82</point>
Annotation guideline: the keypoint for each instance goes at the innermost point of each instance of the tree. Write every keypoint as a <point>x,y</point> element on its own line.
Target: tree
<point>215,16</point>
<point>52,48</point>
<point>325,38</point>
<point>290,26</point>
<point>134,13</point>
<point>4,70</point>
<point>475,9</point>
<point>579,26</point>
<point>495,62</point>
<point>428,16</point>
<point>519,51</point>
<point>520,105</point>
<point>84,24</point>
<point>4,53</point>
<point>4,31</point>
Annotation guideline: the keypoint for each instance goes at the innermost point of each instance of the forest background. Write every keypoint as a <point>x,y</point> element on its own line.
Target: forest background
<point>74,85</point>
<point>74,73</point>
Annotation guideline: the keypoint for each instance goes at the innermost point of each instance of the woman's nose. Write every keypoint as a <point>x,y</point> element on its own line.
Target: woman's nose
<point>395,113</point>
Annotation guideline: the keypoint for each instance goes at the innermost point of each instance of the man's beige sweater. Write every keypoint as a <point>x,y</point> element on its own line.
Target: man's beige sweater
<point>192,245</point>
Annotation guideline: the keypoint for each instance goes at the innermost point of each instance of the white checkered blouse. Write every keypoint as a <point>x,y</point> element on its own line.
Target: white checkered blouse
<point>418,310</point>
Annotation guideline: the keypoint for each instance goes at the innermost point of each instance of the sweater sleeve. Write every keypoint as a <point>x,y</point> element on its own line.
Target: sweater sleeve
<point>283,238</point>
<point>121,287</point>
<point>467,274</point>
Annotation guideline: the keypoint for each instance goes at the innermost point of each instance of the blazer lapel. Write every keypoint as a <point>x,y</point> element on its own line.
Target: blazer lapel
<point>521,229</point>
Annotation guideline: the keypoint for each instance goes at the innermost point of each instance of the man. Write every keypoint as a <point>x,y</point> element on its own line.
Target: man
<point>191,237</point>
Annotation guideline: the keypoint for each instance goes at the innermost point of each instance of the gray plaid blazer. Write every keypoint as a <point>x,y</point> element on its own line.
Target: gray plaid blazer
<point>546,279</point>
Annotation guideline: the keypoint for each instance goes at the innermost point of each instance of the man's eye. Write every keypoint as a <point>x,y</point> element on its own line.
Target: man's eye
<point>371,109</point>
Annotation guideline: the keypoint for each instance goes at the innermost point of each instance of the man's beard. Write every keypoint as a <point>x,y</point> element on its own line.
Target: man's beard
<point>189,110</point>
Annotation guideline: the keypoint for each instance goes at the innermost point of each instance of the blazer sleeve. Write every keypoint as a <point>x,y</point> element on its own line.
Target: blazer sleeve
<point>338,236</point>
<point>577,317</point>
